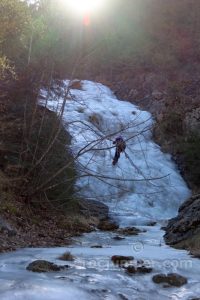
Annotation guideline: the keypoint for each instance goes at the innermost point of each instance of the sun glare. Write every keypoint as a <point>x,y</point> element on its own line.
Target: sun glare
<point>85,6</point>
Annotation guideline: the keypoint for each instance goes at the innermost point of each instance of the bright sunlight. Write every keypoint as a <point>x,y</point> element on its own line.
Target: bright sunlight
<point>85,6</point>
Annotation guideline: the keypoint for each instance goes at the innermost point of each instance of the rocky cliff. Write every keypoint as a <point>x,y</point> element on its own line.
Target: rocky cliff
<point>183,231</point>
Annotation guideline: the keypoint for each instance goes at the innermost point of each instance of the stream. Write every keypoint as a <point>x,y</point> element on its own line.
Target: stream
<point>145,188</point>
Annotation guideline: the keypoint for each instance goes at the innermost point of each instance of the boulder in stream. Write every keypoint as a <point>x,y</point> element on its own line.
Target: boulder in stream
<point>118,238</point>
<point>133,269</point>
<point>129,231</point>
<point>44,266</point>
<point>172,279</point>
<point>121,260</point>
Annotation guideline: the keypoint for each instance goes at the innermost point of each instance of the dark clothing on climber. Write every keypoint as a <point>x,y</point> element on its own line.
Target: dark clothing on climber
<point>120,147</point>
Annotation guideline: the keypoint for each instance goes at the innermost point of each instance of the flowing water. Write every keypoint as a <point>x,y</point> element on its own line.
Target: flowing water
<point>144,187</point>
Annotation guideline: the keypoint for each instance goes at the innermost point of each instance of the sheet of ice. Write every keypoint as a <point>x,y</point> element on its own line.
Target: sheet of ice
<point>93,276</point>
<point>43,290</point>
<point>94,116</point>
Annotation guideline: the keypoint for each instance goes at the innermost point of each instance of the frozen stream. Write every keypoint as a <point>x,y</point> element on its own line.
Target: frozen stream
<point>145,186</point>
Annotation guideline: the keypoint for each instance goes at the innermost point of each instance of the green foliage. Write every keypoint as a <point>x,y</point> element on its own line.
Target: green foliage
<point>14,19</point>
<point>5,68</point>
<point>14,24</point>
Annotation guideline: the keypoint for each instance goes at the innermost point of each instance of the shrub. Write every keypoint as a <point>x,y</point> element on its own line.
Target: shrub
<point>67,256</point>
<point>191,150</point>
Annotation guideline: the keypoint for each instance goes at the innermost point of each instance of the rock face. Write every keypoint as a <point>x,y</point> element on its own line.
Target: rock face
<point>44,266</point>
<point>92,208</point>
<point>183,231</point>
<point>171,279</point>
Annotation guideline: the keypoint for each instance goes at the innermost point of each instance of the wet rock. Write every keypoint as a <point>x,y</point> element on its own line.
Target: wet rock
<point>144,269</point>
<point>140,262</point>
<point>172,279</point>
<point>152,223</point>
<point>99,291</point>
<point>183,231</point>
<point>195,253</point>
<point>122,296</point>
<point>44,266</point>
<point>118,238</point>
<point>131,269</point>
<point>159,278</point>
<point>176,279</point>
<point>107,225</point>
<point>166,286</point>
<point>129,231</point>
<point>138,270</point>
<point>121,260</point>
<point>62,277</point>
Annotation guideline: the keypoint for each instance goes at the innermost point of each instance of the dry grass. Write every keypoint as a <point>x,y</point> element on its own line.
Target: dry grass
<point>67,256</point>
<point>78,224</point>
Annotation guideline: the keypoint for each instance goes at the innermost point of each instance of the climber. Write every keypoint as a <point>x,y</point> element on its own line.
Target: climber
<point>120,147</point>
